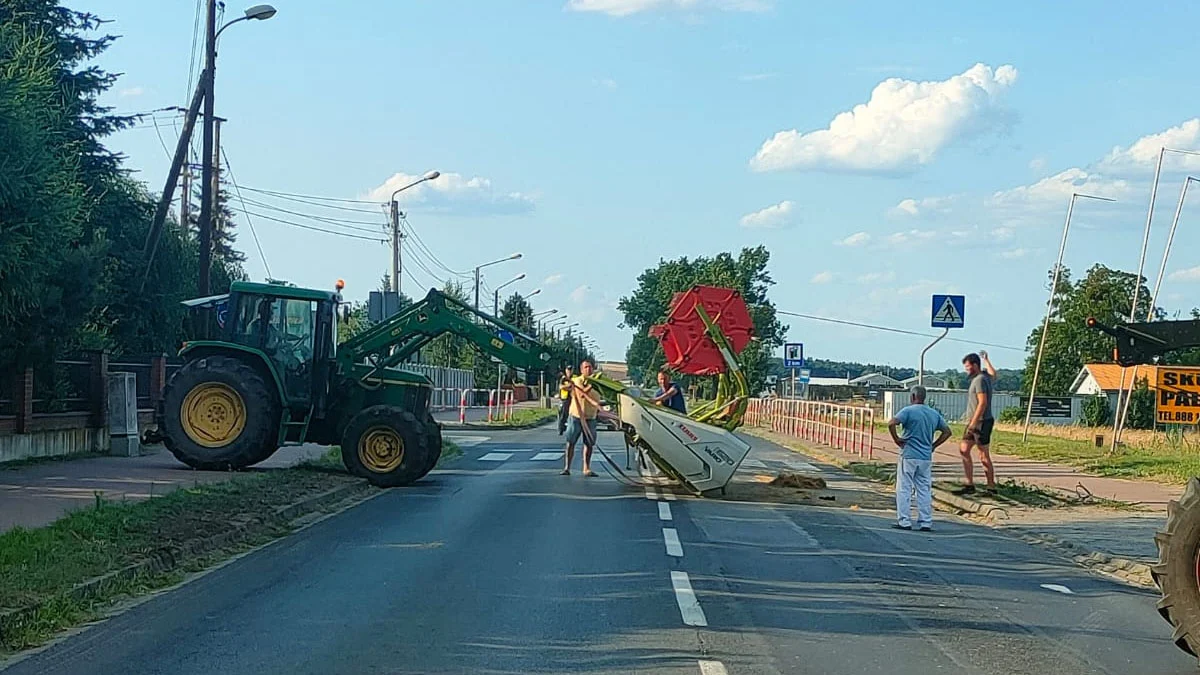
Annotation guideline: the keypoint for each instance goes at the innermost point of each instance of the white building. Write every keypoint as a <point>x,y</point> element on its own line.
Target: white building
<point>876,380</point>
<point>931,382</point>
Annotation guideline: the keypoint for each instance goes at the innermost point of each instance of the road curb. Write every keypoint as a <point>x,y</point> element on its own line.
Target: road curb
<point>986,511</point>
<point>168,558</point>
<point>491,427</point>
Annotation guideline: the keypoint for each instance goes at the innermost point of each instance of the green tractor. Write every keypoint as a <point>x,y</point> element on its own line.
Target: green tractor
<point>278,377</point>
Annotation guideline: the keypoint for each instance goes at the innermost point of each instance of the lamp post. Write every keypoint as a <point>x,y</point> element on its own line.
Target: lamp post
<point>496,293</point>
<point>1062,247</point>
<point>394,212</point>
<point>208,191</point>
<point>515,256</point>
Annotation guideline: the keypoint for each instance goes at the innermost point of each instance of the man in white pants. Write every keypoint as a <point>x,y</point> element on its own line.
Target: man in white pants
<point>915,468</point>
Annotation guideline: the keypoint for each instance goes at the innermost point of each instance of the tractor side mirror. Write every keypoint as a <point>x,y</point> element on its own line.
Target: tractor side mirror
<point>343,313</point>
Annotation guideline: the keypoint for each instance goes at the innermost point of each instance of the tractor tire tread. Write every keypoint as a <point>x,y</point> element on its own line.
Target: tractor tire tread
<point>1176,572</point>
<point>258,439</point>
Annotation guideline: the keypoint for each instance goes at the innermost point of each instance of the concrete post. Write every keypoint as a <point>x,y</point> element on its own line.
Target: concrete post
<point>98,388</point>
<point>23,395</point>
<point>158,379</point>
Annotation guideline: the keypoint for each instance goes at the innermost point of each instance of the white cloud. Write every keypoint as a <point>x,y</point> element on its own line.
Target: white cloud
<point>897,238</point>
<point>877,277</point>
<point>921,207</point>
<point>856,239</point>
<point>1013,254</point>
<point>755,77</point>
<point>1055,191</point>
<point>821,278</point>
<point>554,279</point>
<point>1038,164</point>
<point>622,8</point>
<point>606,83</point>
<point>580,294</point>
<point>903,126</point>
<point>453,193</point>
<point>773,217</point>
<point>1142,154</point>
<point>1189,274</point>
<point>131,92</point>
<point>1002,233</point>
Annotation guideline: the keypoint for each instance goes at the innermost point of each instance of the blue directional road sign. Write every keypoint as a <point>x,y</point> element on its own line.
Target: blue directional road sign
<point>805,375</point>
<point>793,355</point>
<point>506,336</point>
<point>949,311</point>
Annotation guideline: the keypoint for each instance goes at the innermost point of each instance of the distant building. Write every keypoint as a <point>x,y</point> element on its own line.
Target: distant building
<point>617,370</point>
<point>1095,378</point>
<point>931,382</point>
<point>828,382</point>
<point>875,381</point>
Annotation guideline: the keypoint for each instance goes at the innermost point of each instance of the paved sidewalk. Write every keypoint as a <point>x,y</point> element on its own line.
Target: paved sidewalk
<point>1119,533</point>
<point>38,494</point>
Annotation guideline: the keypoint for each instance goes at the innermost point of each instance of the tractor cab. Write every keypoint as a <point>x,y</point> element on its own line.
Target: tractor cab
<point>293,328</point>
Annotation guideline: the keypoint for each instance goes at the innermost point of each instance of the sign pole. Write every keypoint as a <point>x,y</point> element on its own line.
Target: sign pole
<point>921,367</point>
<point>793,383</point>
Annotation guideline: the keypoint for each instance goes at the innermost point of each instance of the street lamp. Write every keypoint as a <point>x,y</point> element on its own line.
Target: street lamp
<point>208,187</point>
<point>535,292</point>
<point>394,212</point>
<point>515,256</point>
<point>496,293</point>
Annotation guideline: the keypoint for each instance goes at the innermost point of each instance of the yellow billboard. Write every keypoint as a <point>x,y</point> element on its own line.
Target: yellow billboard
<point>1178,395</point>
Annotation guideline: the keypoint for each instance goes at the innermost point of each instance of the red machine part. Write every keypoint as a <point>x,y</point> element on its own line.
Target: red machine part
<point>685,340</point>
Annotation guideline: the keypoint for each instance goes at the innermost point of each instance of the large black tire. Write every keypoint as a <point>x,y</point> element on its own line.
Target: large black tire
<point>433,444</point>
<point>1178,570</point>
<point>386,445</point>
<point>249,442</point>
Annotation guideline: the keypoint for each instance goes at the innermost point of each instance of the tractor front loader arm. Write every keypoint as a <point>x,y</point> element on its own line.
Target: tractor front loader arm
<point>395,340</point>
<point>1145,343</point>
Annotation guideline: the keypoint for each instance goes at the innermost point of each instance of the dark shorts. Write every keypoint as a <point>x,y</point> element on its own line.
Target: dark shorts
<point>983,436</point>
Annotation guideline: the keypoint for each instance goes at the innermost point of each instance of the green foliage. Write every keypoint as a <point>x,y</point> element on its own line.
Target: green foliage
<point>649,302</point>
<point>518,312</point>
<point>1105,294</point>
<point>1095,411</point>
<point>1011,415</point>
<point>1141,406</point>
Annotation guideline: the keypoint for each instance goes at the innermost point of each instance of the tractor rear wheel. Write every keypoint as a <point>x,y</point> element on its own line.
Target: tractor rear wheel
<point>217,413</point>
<point>1178,570</point>
<point>433,443</point>
<point>386,445</point>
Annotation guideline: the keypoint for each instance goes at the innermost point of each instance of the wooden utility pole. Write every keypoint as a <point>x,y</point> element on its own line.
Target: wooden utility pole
<point>185,201</point>
<point>207,194</point>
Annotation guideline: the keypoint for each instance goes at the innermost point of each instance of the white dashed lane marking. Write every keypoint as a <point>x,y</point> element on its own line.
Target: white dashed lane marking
<point>689,606</point>
<point>546,456</point>
<point>712,668</point>
<point>664,511</point>
<point>671,539</point>
<point>495,457</point>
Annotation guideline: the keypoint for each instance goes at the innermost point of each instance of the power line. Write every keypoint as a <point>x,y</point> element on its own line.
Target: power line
<point>889,329</point>
<point>160,139</point>
<point>340,222</point>
<point>249,222</point>
<point>309,202</point>
<point>313,228</point>
<point>195,44</point>
<point>327,199</point>
<point>421,244</point>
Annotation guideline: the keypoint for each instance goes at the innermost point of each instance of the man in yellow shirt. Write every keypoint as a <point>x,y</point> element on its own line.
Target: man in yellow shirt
<point>581,422</point>
<point>564,394</point>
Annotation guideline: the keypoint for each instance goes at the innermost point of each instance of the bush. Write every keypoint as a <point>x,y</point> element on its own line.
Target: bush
<point>1012,415</point>
<point>1095,411</point>
<point>1141,407</point>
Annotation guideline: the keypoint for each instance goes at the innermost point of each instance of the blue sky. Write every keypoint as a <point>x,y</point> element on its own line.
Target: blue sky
<point>882,152</point>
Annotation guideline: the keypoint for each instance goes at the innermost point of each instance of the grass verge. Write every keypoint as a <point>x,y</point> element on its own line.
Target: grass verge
<point>526,416</point>
<point>43,570</point>
<point>1164,463</point>
<point>876,471</point>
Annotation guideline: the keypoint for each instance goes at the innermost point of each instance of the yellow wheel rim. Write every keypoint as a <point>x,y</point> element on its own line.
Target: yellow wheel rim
<point>381,450</point>
<point>213,415</point>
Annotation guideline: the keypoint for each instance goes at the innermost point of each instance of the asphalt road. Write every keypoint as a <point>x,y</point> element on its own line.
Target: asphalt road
<point>500,565</point>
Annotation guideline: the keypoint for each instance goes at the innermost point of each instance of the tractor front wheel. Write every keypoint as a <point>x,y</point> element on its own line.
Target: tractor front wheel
<point>386,445</point>
<point>217,413</point>
<point>1178,570</point>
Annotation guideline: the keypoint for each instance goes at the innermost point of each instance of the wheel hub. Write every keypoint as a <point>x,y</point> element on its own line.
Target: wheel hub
<point>213,414</point>
<point>381,450</point>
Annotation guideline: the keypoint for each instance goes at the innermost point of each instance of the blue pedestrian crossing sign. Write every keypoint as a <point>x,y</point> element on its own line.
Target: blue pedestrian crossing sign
<point>505,335</point>
<point>949,311</point>
<point>793,355</point>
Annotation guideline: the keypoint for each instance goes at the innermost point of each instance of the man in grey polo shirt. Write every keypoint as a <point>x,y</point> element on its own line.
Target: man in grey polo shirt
<point>914,471</point>
<point>979,421</point>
